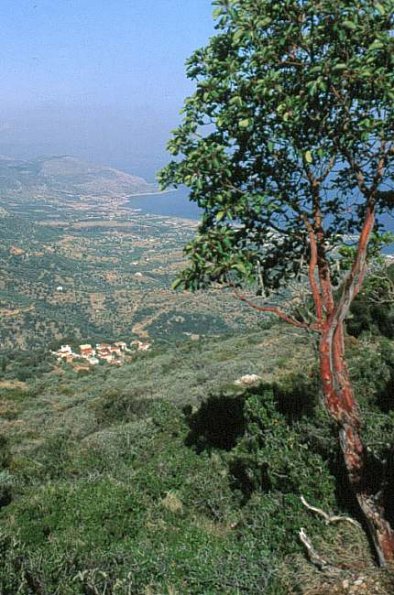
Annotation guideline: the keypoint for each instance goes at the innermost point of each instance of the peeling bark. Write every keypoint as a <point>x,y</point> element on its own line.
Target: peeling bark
<point>331,313</point>
<point>342,407</point>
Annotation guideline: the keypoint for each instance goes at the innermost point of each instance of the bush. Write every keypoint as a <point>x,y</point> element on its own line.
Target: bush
<point>372,371</point>
<point>116,405</point>
<point>5,476</point>
<point>371,311</point>
<point>132,481</point>
<point>273,455</point>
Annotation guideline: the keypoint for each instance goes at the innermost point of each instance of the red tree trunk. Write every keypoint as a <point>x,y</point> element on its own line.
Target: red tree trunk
<point>342,407</point>
<point>337,388</point>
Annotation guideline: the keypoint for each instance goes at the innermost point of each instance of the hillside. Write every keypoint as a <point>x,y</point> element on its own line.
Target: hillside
<point>80,263</point>
<point>166,477</point>
<point>99,270</point>
<point>66,178</point>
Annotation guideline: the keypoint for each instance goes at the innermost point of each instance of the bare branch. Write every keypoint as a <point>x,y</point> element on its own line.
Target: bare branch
<point>273,310</point>
<point>313,556</point>
<point>329,519</point>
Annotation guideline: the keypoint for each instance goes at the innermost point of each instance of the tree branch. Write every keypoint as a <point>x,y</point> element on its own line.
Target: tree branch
<point>317,298</point>
<point>313,556</point>
<point>328,169</point>
<point>273,310</point>
<point>329,519</point>
<point>354,279</point>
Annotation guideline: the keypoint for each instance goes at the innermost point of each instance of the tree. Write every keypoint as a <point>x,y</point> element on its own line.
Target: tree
<point>286,145</point>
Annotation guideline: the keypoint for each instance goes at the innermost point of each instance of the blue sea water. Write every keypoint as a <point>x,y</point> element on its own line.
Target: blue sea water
<point>177,204</point>
<point>172,204</point>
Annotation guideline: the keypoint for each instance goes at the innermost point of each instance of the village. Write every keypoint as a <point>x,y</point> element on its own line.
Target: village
<point>114,354</point>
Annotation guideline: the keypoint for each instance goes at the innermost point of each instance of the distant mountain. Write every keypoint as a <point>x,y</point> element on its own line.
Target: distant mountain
<point>66,178</point>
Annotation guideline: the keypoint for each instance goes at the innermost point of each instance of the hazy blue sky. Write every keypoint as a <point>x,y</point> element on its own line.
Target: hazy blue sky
<point>99,79</point>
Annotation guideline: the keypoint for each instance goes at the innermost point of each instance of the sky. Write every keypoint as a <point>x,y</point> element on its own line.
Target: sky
<point>102,80</point>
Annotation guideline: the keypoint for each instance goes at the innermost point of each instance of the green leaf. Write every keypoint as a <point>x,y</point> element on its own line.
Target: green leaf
<point>244,123</point>
<point>240,267</point>
<point>350,25</point>
<point>238,35</point>
<point>177,283</point>
<point>341,66</point>
<point>376,45</point>
<point>236,100</point>
<point>264,22</point>
<point>308,157</point>
<point>220,215</point>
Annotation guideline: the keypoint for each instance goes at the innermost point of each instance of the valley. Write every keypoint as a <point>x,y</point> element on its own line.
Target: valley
<point>97,269</point>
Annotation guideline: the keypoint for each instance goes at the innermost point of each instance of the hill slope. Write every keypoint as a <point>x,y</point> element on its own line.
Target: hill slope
<point>66,177</point>
<point>164,477</point>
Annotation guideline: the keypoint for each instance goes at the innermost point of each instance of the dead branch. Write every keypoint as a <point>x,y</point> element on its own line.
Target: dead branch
<point>313,556</point>
<point>329,519</point>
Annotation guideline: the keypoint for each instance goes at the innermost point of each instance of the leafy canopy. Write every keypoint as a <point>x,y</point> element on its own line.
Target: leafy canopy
<point>293,100</point>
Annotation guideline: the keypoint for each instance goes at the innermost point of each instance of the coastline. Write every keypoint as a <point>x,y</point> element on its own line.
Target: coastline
<point>142,194</point>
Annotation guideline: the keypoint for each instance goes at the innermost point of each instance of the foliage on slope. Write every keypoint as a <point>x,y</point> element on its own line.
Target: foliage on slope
<point>164,477</point>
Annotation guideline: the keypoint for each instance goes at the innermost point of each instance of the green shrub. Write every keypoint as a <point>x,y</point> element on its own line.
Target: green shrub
<point>5,476</point>
<point>371,311</point>
<point>297,395</point>
<point>163,477</point>
<point>116,405</point>
<point>372,371</point>
<point>274,456</point>
<point>160,517</point>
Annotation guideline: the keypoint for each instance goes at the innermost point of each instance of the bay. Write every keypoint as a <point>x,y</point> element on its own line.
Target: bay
<point>175,203</point>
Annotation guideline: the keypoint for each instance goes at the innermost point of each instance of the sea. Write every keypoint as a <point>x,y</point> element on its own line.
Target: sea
<point>176,203</point>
